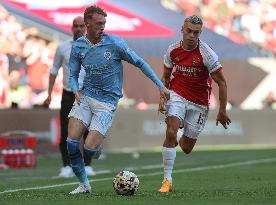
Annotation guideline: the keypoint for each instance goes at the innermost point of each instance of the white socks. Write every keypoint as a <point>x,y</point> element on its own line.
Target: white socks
<point>169,155</point>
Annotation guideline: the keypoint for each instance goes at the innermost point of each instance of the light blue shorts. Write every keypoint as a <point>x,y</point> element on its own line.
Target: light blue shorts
<point>192,116</point>
<point>95,115</point>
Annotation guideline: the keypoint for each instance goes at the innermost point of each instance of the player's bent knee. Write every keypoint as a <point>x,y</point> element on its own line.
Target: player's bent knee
<point>186,150</point>
<point>171,133</point>
<point>93,152</point>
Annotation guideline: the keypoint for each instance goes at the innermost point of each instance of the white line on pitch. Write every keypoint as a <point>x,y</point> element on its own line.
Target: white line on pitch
<point>222,166</point>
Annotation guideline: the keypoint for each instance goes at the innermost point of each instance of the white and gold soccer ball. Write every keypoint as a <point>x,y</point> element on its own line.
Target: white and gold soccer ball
<point>126,183</point>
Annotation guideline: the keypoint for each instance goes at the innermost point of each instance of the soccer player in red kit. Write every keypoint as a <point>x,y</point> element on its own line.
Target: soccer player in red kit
<point>193,65</point>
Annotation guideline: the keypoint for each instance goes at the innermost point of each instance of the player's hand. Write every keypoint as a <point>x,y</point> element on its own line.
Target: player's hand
<point>164,93</point>
<point>162,106</point>
<point>47,102</point>
<point>223,119</point>
<point>164,97</point>
<point>77,97</point>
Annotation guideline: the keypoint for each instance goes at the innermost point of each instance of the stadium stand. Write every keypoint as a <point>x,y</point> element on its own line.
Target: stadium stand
<point>244,22</point>
<point>28,44</point>
<point>174,19</point>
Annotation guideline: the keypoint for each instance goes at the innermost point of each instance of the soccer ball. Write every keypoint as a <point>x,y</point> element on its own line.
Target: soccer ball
<point>126,183</point>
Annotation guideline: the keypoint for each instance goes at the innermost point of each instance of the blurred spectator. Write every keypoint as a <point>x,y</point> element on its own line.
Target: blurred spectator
<point>4,83</point>
<point>242,21</point>
<point>20,95</point>
<point>270,100</point>
<point>24,62</point>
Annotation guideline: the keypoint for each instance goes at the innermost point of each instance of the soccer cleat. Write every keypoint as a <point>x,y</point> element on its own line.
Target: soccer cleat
<point>82,188</point>
<point>166,186</point>
<point>89,171</point>
<point>66,172</point>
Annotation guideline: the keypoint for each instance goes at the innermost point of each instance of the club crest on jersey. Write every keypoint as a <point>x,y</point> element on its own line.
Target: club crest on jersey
<point>196,60</point>
<point>107,55</point>
<point>176,59</point>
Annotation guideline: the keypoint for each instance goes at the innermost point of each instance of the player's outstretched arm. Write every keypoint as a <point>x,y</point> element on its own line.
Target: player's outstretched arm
<point>148,71</point>
<point>130,56</point>
<point>222,116</point>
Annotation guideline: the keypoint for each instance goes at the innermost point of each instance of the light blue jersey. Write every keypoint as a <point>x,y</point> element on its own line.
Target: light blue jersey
<point>103,67</point>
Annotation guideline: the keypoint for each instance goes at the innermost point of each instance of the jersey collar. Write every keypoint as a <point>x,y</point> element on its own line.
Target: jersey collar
<point>97,44</point>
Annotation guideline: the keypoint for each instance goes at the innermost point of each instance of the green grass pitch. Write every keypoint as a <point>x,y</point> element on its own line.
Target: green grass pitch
<point>233,175</point>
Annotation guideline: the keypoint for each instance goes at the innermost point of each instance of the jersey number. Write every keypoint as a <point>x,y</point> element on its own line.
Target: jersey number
<point>201,118</point>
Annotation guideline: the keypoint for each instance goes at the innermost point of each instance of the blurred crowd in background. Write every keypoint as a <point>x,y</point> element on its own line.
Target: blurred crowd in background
<point>250,22</point>
<point>26,58</point>
<point>25,61</point>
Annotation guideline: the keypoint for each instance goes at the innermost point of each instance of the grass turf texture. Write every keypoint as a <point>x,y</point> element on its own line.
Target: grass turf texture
<point>197,179</point>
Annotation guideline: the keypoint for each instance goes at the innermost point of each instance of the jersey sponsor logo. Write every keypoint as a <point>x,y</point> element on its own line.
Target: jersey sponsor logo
<point>107,55</point>
<point>187,70</point>
<point>95,69</point>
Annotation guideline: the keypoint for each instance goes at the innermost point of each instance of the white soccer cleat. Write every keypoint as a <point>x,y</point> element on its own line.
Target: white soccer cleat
<point>89,171</point>
<point>66,172</point>
<point>82,188</point>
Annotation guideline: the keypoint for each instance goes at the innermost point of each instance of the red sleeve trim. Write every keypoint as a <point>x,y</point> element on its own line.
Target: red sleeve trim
<point>216,71</point>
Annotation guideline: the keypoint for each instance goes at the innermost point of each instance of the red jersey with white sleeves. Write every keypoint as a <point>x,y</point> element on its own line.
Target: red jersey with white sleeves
<point>191,77</point>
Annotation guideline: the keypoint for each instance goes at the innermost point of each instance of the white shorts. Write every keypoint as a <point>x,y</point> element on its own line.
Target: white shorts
<point>95,115</point>
<point>192,116</point>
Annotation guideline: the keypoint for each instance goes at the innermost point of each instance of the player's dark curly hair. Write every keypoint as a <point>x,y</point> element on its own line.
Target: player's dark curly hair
<point>94,9</point>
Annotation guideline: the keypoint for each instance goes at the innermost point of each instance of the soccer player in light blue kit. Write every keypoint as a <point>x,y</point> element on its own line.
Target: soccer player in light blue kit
<point>101,56</point>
